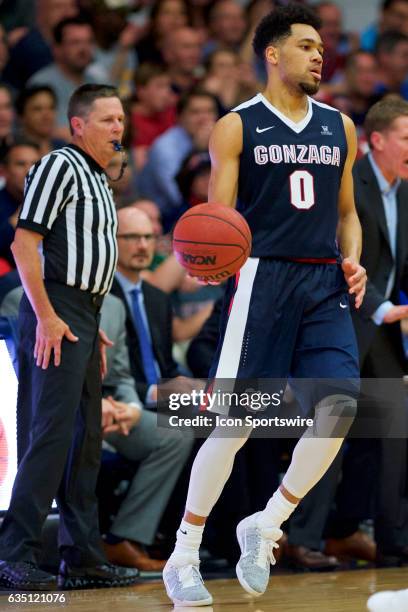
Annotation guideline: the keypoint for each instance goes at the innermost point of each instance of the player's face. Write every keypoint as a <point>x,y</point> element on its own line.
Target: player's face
<point>300,59</point>
<point>394,144</point>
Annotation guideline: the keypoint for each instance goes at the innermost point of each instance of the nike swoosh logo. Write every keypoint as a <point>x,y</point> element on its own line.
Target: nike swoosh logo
<point>185,532</point>
<point>343,305</point>
<point>260,130</point>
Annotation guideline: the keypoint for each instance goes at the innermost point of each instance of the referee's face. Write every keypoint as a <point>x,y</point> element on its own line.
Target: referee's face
<point>103,124</point>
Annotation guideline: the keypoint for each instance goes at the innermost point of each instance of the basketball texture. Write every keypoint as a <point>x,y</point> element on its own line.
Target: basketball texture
<point>212,241</point>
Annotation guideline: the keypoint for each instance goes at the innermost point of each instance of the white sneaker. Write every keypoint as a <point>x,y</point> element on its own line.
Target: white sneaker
<point>184,584</point>
<point>257,545</point>
<point>388,601</point>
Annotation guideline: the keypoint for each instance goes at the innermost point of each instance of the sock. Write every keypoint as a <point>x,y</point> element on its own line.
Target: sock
<point>188,541</point>
<point>277,511</point>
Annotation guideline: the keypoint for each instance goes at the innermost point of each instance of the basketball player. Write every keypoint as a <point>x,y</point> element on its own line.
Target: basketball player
<point>287,160</point>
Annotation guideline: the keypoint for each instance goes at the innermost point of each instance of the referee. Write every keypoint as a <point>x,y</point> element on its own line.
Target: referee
<point>65,251</point>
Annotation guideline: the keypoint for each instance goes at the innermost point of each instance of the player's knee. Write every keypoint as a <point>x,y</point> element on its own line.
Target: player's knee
<point>334,415</point>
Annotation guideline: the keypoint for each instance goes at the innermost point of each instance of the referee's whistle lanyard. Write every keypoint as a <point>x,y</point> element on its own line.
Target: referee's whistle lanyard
<point>118,147</point>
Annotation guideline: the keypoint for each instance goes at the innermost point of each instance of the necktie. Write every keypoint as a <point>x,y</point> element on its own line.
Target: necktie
<point>144,340</point>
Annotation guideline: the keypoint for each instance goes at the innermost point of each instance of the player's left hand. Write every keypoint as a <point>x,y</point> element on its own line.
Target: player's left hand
<point>356,278</point>
<point>103,343</point>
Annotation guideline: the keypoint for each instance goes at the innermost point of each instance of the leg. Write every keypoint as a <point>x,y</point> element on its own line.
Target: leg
<point>250,328</point>
<point>162,454</point>
<point>52,396</point>
<point>79,536</point>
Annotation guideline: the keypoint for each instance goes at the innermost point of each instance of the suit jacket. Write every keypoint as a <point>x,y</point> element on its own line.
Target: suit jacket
<point>159,315</point>
<point>378,260</point>
<point>118,381</point>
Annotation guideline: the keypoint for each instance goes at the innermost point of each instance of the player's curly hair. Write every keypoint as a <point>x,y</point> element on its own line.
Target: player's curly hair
<point>277,25</point>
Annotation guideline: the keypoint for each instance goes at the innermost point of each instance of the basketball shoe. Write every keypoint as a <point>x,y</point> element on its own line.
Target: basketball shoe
<point>388,601</point>
<point>257,545</point>
<point>183,582</point>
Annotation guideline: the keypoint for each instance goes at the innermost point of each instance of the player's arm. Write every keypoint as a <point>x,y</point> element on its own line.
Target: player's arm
<point>225,149</point>
<point>349,230</point>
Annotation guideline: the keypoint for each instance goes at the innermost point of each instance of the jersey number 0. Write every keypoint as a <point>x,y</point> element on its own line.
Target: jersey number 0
<point>302,194</point>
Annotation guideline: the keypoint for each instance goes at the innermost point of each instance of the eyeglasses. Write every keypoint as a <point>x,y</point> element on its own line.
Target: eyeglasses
<point>137,237</point>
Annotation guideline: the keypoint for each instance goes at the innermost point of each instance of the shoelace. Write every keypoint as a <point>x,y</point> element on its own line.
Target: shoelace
<point>267,544</point>
<point>187,572</point>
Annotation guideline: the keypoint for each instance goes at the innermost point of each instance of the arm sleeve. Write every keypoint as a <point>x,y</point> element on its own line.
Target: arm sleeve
<point>48,189</point>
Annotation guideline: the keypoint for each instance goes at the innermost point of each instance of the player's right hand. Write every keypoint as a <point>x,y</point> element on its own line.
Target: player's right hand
<point>396,313</point>
<point>203,281</point>
<point>49,334</point>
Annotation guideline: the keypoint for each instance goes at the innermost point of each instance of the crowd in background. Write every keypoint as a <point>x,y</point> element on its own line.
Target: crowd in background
<point>178,66</point>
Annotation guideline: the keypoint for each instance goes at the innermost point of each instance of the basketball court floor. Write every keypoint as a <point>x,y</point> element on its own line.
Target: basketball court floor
<point>321,592</point>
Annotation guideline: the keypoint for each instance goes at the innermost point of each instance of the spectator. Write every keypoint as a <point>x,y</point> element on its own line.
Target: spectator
<point>160,453</point>
<point>115,60</point>
<point>6,119</point>
<point>153,212</point>
<point>336,44</point>
<point>392,56</point>
<point>17,14</point>
<point>361,77</point>
<point>4,50</point>
<point>73,48</point>
<point>36,110</point>
<point>34,50</point>
<point>357,93</point>
<point>197,113</point>
<point>256,10</point>
<point>194,177</point>
<point>197,12</point>
<point>226,25</point>
<point>182,53</point>
<point>21,155</point>
<point>393,17</point>
<point>166,16</point>
<point>148,310</point>
<point>226,78</point>
<point>153,111</point>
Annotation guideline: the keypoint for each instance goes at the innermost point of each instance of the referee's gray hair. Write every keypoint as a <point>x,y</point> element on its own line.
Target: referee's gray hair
<point>82,99</point>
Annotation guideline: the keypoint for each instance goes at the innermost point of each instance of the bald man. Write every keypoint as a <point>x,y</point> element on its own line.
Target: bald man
<point>182,50</point>
<point>148,309</point>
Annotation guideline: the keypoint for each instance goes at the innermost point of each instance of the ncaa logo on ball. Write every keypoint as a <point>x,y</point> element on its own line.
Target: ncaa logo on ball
<point>199,260</point>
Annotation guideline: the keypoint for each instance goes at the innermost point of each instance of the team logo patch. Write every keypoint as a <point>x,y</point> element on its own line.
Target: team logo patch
<point>325,131</point>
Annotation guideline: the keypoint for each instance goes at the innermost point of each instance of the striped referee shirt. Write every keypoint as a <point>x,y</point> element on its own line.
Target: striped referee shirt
<point>68,200</point>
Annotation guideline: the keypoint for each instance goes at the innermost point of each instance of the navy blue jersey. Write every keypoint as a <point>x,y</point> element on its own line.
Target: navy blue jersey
<point>289,179</point>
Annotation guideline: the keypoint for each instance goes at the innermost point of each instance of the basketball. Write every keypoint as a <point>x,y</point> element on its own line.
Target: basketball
<point>212,241</point>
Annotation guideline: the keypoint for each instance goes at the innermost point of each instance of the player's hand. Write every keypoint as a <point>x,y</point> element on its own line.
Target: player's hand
<point>201,280</point>
<point>356,278</point>
<point>48,337</point>
<point>103,343</point>
<point>396,313</point>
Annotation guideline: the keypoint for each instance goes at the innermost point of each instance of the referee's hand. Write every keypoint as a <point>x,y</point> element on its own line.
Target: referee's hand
<point>49,334</point>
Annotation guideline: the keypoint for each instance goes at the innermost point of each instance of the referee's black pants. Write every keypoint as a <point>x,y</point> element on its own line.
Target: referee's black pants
<point>59,436</point>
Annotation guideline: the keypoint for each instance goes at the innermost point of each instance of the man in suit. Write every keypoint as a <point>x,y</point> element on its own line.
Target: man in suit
<point>160,452</point>
<point>381,196</point>
<point>148,309</point>
<point>132,432</point>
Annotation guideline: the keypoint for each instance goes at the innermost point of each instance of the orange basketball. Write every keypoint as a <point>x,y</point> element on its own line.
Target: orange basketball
<point>212,241</point>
